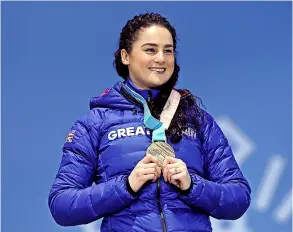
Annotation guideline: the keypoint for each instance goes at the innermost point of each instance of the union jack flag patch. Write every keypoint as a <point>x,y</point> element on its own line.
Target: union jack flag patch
<point>105,92</point>
<point>70,136</point>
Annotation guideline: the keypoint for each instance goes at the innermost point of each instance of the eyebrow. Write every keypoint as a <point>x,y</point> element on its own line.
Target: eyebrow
<point>156,45</point>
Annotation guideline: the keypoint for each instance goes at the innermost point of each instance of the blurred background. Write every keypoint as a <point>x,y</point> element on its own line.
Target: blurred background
<point>236,56</point>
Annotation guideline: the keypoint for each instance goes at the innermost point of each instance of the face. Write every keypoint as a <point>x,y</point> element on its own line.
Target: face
<point>151,60</point>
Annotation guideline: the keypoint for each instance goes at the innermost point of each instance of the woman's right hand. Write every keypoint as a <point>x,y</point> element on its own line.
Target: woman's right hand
<point>146,169</point>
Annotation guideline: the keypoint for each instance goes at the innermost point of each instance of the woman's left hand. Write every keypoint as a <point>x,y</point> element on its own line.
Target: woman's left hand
<point>175,172</point>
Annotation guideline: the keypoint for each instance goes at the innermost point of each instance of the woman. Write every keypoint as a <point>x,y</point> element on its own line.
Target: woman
<point>106,171</point>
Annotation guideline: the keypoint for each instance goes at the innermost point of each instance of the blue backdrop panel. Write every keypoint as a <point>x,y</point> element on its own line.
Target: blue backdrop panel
<point>237,56</point>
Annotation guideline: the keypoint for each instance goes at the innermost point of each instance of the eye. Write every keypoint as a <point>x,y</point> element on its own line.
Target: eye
<point>169,51</point>
<point>150,50</point>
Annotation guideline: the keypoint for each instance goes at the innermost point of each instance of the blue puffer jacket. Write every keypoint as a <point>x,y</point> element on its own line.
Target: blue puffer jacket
<point>102,149</point>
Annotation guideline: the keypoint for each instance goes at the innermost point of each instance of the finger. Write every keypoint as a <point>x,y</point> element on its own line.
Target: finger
<point>172,160</point>
<point>156,168</point>
<point>175,165</point>
<point>158,174</point>
<point>165,174</point>
<point>166,161</point>
<point>149,165</point>
<point>177,177</point>
<point>147,171</point>
<point>174,171</point>
<point>151,158</point>
<point>170,173</point>
<point>147,177</point>
<point>177,169</point>
<point>176,183</point>
<point>146,159</point>
<point>159,171</point>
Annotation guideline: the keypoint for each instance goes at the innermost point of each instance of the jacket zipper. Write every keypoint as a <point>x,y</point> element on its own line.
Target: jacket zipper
<point>158,187</point>
<point>149,95</point>
<point>160,207</point>
<point>158,181</point>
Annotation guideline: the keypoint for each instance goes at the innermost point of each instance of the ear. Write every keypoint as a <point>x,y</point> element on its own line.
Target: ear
<point>124,57</point>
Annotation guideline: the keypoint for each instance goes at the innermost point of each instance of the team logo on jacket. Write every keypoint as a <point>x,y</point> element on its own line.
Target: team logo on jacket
<point>190,132</point>
<point>127,132</point>
<point>70,136</point>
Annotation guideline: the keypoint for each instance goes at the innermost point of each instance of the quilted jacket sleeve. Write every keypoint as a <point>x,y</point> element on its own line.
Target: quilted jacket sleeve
<point>73,199</point>
<point>225,193</point>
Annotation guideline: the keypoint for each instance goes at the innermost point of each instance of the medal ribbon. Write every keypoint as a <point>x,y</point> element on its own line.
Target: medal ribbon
<point>151,122</point>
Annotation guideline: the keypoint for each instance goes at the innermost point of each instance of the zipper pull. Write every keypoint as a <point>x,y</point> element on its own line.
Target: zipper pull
<point>149,95</point>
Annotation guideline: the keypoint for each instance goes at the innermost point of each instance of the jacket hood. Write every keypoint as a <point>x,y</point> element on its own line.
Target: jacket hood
<point>114,98</point>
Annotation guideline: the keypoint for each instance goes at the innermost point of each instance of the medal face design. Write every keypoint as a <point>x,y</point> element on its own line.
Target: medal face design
<point>160,150</point>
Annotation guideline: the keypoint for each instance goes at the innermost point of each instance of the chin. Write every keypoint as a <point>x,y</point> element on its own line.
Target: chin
<point>159,82</point>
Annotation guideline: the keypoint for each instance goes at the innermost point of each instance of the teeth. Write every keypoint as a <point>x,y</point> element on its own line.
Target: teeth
<point>158,69</point>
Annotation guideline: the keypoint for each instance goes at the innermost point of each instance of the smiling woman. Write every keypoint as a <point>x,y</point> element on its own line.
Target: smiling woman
<point>151,58</point>
<point>170,179</point>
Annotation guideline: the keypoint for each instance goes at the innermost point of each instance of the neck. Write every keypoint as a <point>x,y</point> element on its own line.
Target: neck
<point>138,86</point>
<point>146,93</point>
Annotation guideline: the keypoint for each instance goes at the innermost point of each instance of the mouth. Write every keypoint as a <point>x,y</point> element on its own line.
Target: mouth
<point>158,70</point>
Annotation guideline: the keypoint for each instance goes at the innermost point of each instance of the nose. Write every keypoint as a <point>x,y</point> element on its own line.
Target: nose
<point>160,57</point>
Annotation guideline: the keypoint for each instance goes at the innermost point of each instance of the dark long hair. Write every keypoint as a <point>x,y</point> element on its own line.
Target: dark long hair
<point>188,111</point>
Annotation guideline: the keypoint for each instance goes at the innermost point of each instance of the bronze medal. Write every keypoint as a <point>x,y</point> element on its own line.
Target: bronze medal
<point>160,150</point>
